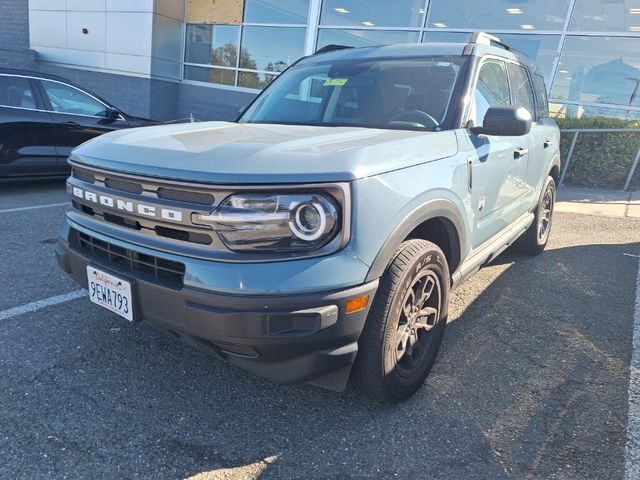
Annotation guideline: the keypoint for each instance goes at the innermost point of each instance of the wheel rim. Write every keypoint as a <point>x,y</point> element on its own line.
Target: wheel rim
<point>544,222</point>
<point>419,316</point>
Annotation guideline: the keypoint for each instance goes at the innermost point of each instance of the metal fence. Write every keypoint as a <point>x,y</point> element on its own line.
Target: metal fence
<point>576,133</point>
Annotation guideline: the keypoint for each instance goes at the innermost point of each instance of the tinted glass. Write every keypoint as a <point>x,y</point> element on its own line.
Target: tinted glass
<point>364,38</point>
<point>211,75</point>
<point>606,16</point>
<point>271,48</point>
<point>492,90</point>
<point>212,44</point>
<point>540,92</point>
<point>540,48</point>
<point>522,90</point>
<point>66,99</point>
<point>276,11</point>
<point>497,14</point>
<point>600,70</point>
<point>16,92</point>
<point>400,93</point>
<point>373,13</point>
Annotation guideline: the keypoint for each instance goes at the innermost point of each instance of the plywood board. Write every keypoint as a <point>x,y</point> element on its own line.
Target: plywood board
<point>215,11</point>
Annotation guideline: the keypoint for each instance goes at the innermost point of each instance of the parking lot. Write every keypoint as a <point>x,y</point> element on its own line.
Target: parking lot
<point>532,380</point>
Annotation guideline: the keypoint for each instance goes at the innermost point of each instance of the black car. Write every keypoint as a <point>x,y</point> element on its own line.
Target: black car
<point>43,117</point>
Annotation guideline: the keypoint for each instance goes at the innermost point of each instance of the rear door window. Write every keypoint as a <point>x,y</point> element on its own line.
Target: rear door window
<point>16,92</point>
<point>522,90</point>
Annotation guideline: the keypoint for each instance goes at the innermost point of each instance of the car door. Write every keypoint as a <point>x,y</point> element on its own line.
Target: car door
<point>543,141</point>
<point>27,131</point>
<point>498,172</point>
<point>78,115</point>
<point>533,142</point>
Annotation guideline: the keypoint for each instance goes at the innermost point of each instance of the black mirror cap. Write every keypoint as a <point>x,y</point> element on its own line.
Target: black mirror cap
<point>506,121</point>
<point>113,113</point>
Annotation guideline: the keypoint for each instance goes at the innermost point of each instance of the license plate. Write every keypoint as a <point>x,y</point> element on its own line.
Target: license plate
<point>110,292</point>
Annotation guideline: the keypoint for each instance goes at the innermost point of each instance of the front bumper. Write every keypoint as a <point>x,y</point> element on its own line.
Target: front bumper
<point>286,338</point>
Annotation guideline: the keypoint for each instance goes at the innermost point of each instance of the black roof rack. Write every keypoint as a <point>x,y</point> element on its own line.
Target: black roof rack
<point>482,38</point>
<point>331,48</point>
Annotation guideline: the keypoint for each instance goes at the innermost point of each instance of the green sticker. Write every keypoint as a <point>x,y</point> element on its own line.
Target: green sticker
<point>335,82</point>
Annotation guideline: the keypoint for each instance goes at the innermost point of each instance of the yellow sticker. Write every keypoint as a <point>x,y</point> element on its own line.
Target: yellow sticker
<point>335,82</point>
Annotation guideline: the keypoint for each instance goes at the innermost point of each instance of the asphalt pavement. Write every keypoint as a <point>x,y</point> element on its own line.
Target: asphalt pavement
<point>532,380</point>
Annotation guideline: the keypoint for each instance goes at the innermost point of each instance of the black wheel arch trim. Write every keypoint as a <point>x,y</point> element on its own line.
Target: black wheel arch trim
<point>439,208</point>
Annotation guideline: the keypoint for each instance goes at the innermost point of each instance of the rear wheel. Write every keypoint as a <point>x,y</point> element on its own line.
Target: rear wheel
<point>404,330</point>
<point>536,237</point>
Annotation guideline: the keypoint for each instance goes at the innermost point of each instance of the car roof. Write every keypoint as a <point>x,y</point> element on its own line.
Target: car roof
<point>32,73</point>
<point>413,50</point>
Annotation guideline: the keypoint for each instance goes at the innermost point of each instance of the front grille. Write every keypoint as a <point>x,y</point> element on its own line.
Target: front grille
<point>125,260</point>
<point>84,176</point>
<point>199,198</point>
<point>123,185</point>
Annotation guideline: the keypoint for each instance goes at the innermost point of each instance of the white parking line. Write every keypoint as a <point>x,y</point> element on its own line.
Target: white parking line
<point>633,422</point>
<point>47,302</point>
<point>22,209</point>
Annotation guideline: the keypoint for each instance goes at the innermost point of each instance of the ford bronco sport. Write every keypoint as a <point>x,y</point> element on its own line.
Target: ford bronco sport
<point>318,237</point>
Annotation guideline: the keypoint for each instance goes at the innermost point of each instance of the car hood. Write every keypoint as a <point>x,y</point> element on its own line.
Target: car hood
<point>232,153</point>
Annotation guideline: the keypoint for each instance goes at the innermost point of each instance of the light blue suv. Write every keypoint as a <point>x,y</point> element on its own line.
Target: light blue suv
<point>318,237</point>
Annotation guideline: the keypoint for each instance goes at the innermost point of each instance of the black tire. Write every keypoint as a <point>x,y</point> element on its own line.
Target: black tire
<point>383,368</point>
<point>535,238</point>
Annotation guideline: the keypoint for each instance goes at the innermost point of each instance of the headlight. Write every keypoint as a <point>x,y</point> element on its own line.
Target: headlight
<point>275,222</point>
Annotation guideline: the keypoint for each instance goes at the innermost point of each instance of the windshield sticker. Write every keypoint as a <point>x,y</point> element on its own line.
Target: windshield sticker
<point>335,82</point>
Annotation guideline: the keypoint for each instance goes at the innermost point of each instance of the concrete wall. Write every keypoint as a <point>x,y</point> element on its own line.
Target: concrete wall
<point>14,23</point>
<point>141,37</point>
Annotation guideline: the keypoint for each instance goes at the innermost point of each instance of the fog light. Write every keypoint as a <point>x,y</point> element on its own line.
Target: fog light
<point>357,304</point>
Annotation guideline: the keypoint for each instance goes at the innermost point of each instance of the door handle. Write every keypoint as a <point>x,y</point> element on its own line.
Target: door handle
<point>547,143</point>
<point>71,124</point>
<point>520,152</point>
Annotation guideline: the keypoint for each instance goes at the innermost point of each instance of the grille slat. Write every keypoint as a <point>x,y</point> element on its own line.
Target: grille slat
<point>123,259</point>
<point>84,176</point>
<point>123,185</point>
<point>200,198</point>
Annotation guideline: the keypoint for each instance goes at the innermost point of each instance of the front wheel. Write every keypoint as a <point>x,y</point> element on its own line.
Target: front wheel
<point>404,330</point>
<point>536,237</point>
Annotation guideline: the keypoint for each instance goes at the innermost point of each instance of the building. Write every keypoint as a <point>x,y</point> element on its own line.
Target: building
<point>208,58</point>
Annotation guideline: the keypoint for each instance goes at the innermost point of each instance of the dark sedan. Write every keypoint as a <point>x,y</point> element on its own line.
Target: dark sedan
<point>43,117</point>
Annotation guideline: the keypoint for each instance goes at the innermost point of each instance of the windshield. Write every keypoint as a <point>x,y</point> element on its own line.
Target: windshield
<point>408,93</point>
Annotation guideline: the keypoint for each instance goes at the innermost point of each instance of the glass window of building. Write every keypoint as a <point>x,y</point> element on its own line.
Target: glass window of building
<point>492,90</point>
<point>271,49</point>
<point>212,45</point>
<point>276,11</point>
<point>254,79</point>
<point>497,14</point>
<point>373,13</point>
<point>606,16</point>
<point>211,75</point>
<point>364,38</point>
<point>599,70</point>
<point>541,49</point>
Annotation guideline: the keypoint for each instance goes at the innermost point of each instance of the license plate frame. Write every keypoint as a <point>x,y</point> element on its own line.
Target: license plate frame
<point>111,292</point>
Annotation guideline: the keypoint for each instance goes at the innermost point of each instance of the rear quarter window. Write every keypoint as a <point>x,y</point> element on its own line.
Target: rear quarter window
<point>540,91</point>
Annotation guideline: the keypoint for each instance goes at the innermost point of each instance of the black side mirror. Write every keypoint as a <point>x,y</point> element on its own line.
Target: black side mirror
<point>507,121</point>
<point>113,113</point>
